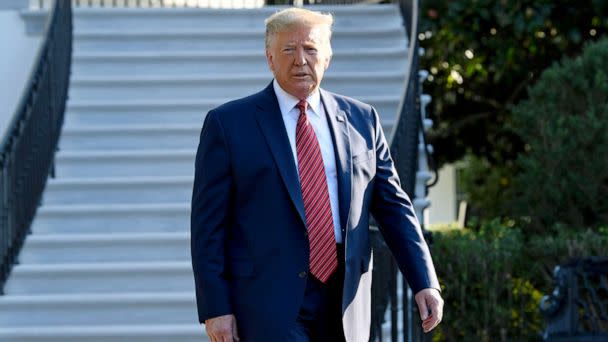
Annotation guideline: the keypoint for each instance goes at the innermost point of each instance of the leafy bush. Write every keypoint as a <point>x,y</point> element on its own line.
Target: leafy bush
<point>485,298</point>
<point>563,173</point>
<point>492,279</point>
<point>548,251</point>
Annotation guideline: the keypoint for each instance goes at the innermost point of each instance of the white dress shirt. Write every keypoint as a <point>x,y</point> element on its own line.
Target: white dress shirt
<point>318,120</point>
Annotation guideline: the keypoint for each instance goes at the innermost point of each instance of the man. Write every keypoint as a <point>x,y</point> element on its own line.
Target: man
<point>284,184</point>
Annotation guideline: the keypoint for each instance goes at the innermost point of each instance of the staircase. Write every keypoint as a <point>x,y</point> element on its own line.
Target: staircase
<point>109,256</point>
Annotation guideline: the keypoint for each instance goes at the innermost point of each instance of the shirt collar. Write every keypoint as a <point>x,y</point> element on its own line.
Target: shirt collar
<point>287,101</point>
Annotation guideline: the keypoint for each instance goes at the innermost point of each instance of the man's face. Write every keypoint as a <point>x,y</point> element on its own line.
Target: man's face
<point>298,58</point>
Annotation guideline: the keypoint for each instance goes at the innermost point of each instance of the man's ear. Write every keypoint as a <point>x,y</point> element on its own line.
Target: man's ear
<point>328,53</point>
<point>269,60</point>
<point>327,60</point>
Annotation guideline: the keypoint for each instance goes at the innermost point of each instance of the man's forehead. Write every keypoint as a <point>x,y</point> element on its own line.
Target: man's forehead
<point>302,33</point>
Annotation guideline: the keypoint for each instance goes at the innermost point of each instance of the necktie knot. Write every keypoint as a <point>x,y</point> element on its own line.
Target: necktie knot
<point>302,106</point>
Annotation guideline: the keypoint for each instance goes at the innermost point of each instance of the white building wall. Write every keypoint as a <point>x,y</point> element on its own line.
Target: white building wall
<point>443,207</point>
<point>17,54</point>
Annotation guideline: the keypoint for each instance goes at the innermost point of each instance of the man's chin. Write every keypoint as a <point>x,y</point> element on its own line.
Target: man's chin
<point>302,91</point>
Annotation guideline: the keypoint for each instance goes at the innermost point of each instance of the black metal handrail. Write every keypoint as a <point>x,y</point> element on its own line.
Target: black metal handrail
<point>404,144</point>
<point>404,149</point>
<point>404,138</point>
<point>27,152</point>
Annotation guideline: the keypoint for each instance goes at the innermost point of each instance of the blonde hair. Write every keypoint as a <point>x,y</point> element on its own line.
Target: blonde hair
<point>283,20</point>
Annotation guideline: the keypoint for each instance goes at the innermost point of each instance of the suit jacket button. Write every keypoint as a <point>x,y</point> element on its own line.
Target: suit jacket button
<point>302,275</point>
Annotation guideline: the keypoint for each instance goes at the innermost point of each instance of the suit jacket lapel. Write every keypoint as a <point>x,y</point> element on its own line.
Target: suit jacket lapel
<point>271,123</point>
<point>338,125</point>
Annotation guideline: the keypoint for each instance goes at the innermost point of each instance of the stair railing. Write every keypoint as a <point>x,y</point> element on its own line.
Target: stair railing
<point>28,149</point>
<point>411,156</point>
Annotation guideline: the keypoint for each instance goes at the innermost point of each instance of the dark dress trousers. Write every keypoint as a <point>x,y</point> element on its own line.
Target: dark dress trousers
<point>249,244</point>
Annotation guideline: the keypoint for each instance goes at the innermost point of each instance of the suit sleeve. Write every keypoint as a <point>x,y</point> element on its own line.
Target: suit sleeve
<point>393,210</point>
<point>208,221</point>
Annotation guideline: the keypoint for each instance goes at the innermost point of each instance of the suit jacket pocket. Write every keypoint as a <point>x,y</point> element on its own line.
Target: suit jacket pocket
<point>240,268</point>
<point>363,157</point>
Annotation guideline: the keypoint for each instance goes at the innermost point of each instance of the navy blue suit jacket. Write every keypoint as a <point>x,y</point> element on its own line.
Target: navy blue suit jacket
<point>249,246</point>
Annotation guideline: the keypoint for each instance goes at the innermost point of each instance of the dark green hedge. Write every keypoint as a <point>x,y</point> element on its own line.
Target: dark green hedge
<point>493,279</point>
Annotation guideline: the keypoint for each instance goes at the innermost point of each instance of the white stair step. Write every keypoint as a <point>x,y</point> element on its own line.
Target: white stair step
<point>171,111</point>
<point>118,190</point>
<point>138,137</point>
<point>106,333</point>
<point>98,309</point>
<point>110,219</point>
<point>195,39</point>
<point>111,111</point>
<point>184,87</point>
<point>92,278</point>
<point>150,137</point>
<point>115,247</point>
<point>224,62</point>
<point>174,18</point>
<point>131,163</point>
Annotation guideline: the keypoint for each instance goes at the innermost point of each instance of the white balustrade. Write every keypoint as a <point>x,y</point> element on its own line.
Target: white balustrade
<point>37,4</point>
<point>423,175</point>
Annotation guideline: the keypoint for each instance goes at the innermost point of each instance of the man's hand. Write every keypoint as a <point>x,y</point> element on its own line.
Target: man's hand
<point>222,329</point>
<point>430,305</point>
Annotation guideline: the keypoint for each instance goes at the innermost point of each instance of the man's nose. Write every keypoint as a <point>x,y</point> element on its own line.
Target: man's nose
<point>300,57</point>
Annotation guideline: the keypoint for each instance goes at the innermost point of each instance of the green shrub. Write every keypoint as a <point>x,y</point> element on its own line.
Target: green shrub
<point>563,174</point>
<point>548,251</point>
<point>492,279</point>
<point>485,298</point>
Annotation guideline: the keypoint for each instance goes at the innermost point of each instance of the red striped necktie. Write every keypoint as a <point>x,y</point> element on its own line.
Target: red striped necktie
<point>317,208</point>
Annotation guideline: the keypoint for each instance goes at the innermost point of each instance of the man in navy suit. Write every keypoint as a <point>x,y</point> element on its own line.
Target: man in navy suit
<point>284,185</point>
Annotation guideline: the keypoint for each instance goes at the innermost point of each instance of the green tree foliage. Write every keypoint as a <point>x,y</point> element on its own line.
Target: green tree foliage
<point>562,176</point>
<point>483,54</point>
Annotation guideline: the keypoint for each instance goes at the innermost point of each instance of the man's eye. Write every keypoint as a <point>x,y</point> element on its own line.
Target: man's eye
<point>288,50</point>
